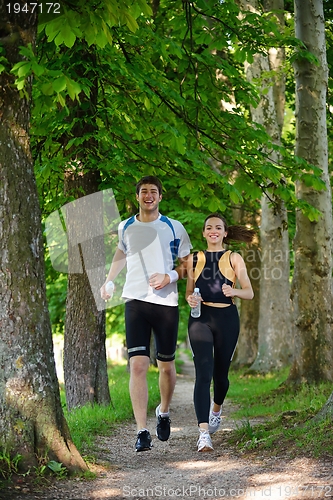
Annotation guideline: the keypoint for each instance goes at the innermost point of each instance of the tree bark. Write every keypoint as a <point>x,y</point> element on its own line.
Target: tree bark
<point>32,423</point>
<point>247,346</point>
<point>312,281</point>
<point>274,327</point>
<point>85,366</point>
<point>326,411</point>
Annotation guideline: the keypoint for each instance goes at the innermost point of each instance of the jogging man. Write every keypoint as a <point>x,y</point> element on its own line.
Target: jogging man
<point>149,245</point>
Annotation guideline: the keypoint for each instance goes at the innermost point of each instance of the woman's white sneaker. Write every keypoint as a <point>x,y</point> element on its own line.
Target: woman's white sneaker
<point>214,420</point>
<point>204,442</point>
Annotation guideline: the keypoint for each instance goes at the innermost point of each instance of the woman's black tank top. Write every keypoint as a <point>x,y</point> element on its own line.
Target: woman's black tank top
<point>211,279</point>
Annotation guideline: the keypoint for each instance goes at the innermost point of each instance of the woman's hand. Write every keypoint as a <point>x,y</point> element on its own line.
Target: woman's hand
<point>193,300</point>
<point>228,290</point>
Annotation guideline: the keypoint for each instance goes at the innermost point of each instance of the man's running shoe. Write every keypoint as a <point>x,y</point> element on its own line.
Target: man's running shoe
<point>204,442</point>
<point>214,420</point>
<point>143,441</point>
<point>162,426</point>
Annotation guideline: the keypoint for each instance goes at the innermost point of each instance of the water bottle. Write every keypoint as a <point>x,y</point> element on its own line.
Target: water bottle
<point>109,288</point>
<point>196,311</point>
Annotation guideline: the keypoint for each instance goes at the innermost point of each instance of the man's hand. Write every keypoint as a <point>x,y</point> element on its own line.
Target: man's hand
<point>159,280</point>
<point>104,294</point>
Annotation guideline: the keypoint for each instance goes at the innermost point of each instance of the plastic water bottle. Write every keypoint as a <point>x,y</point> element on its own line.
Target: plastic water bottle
<point>196,311</point>
<point>109,288</point>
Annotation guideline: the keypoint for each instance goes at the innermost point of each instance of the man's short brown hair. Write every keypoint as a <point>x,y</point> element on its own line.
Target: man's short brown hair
<point>149,179</point>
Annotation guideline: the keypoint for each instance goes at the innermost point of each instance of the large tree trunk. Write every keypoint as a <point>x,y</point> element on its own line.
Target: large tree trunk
<point>312,281</point>
<point>274,328</point>
<point>247,346</point>
<point>326,412</point>
<point>85,367</point>
<point>32,423</point>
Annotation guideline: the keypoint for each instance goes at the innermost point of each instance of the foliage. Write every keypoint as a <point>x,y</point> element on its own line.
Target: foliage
<point>57,468</point>
<point>9,465</point>
<point>10,468</point>
<point>128,92</point>
<point>56,289</point>
<point>164,84</point>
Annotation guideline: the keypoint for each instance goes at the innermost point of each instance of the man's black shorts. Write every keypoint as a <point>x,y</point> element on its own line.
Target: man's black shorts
<point>141,319</point>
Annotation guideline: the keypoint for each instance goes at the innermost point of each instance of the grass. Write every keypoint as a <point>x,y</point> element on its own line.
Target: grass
<point>287,414</point>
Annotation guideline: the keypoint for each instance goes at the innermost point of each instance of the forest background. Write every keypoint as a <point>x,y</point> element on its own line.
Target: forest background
<point>229,104</point>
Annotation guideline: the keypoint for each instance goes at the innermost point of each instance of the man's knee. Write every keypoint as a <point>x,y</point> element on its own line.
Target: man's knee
<point>166,368</point>
<point>139,365</point>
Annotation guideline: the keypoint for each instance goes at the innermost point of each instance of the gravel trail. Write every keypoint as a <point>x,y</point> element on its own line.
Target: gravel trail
<point>175,470</point>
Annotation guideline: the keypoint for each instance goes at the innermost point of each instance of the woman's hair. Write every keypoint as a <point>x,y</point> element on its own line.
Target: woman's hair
<point>236,233</point>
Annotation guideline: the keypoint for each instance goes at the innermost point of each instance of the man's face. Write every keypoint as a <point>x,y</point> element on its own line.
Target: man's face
<point>148,197</point>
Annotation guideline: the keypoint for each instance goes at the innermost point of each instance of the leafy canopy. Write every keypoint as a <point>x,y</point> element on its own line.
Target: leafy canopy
<point>125,91</point>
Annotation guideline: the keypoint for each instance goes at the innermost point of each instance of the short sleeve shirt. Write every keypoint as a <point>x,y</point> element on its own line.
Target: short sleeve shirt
<point>151,247</point>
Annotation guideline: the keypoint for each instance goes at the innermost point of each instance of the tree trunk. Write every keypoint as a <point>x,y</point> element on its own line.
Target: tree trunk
<point>312,281</point>
<point>32,423</point>
<point>274,328</point>
<point>326,411</point>
<point>85,367</point>
<point>247,346</point>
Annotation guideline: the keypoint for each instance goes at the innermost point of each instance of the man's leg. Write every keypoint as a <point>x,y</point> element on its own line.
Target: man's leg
<point>139,389</point>
<point>167,382</point>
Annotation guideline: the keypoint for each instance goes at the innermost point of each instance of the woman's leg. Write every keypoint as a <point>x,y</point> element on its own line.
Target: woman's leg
<point>225,331</point>
<point>201,340</point>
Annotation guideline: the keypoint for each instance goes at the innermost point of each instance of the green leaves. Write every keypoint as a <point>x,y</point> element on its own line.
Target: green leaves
<point>91,22</point>
<point>23,69</point>
<point>133,95</point>
<point>59,84</point>
<point>57,468</point>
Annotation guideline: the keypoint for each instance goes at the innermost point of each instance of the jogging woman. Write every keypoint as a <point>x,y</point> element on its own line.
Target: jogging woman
<point>213,336</point>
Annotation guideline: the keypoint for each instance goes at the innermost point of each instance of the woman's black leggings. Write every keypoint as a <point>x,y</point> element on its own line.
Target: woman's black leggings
<point>213,338</point>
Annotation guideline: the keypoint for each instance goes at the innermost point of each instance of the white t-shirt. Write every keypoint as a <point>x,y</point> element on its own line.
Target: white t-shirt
<point>148,249</point>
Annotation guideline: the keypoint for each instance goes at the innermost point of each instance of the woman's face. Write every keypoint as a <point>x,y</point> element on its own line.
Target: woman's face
<point>214,231</point>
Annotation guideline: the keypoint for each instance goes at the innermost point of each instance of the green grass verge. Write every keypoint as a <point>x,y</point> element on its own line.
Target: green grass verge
<point>287,411</point>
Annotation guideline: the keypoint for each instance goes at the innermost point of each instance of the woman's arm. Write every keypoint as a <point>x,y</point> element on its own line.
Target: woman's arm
<point>192,301</point>
<point>246,291</point>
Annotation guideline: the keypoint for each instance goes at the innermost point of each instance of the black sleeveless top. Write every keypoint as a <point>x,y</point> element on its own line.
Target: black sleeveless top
<point>211,279</point>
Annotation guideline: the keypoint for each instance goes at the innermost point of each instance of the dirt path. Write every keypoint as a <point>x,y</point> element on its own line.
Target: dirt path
<point>174,469</point>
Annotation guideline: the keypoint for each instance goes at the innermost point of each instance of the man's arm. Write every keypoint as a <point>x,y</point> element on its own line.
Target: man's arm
<point>182,267</point>
<point>118,263</point>
<point>160,280</point>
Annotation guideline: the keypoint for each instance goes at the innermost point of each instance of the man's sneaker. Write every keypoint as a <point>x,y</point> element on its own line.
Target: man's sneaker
<point>162,426</point>
<point>143,441</point>
<point>214,420</point>
<point>204,442</point>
